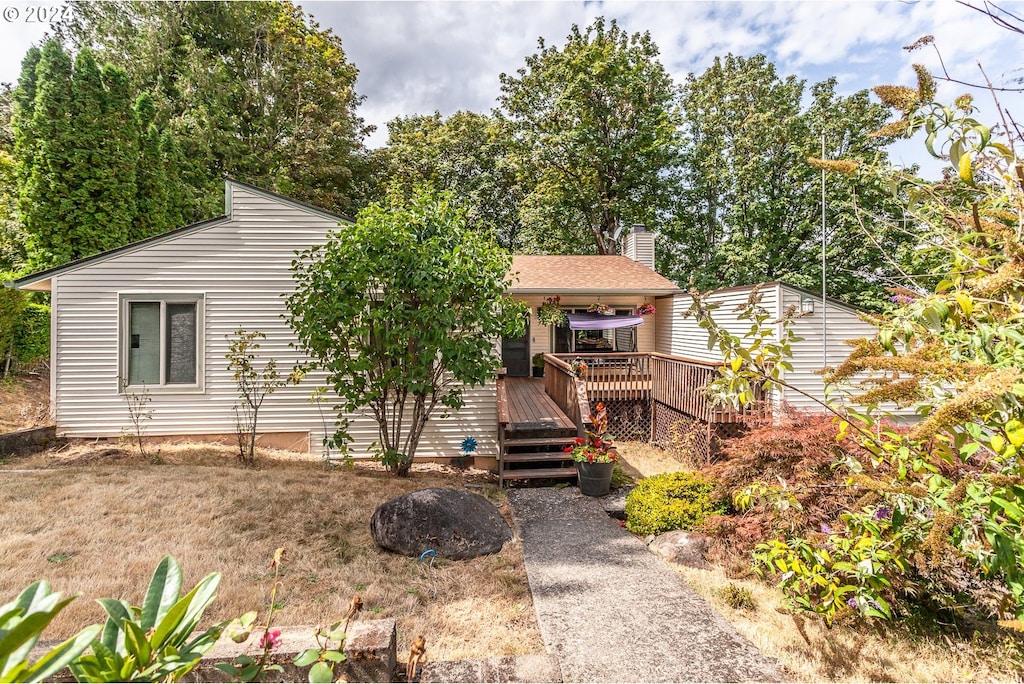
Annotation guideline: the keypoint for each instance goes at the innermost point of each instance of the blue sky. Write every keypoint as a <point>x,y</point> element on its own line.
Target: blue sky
<point>417,57</point>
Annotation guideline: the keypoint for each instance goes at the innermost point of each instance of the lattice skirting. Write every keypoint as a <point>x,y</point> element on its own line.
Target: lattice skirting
<point>674,430</point>
<point>629,419</point>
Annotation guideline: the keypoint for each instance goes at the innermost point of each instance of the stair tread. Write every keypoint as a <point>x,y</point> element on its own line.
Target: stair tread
<point>539,441</point>
<point>536,456</point>
<point>529,473</point>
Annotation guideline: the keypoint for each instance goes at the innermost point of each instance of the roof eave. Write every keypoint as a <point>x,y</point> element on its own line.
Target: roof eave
<point>30,281</point>
<point>647,291</point>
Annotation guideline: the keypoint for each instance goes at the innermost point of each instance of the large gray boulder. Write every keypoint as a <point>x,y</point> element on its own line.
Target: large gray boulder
<point>452,522</point>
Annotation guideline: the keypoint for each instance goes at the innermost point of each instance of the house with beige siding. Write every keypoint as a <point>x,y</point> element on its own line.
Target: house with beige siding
<point>620,284</point>
<point>155,318</point>
<point>824,326</point>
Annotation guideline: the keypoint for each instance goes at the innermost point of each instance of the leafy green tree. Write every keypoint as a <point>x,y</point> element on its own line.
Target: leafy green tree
<point>12,238</point>
<point>749,209</point>
<point>464,154</point>
<point>100,180</point>
<point>402,310</point>
<point>254,90</point>
<point>594,131</point>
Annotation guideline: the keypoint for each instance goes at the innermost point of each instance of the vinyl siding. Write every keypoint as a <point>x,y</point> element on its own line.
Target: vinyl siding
<point>682,336</point>
<point>808,358</point>
<point>843,326</point>
<point>242,268</point>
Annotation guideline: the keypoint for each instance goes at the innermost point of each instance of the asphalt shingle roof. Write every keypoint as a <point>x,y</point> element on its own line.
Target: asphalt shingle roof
<point>585,273</point>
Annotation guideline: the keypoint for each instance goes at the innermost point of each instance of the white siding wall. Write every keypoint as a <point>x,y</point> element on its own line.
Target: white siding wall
<point>808,359</point>
<point>681,336</point>
<point>243,268</point>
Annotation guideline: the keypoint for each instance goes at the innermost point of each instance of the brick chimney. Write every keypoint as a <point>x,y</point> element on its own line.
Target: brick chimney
<point>638,245</point>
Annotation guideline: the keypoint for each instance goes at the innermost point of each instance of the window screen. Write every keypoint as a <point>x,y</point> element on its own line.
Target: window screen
<point>144,343</point>
<point>181,344</point>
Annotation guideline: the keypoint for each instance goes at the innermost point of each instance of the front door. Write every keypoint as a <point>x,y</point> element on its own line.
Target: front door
<point>515,354</point>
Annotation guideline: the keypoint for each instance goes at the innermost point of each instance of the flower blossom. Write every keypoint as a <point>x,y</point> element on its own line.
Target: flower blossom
<point>270,640</point>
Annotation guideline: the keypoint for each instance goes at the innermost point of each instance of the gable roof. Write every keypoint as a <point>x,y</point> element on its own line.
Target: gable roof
<point>853,308</point>
<point>41,279</point>
<point>586,274</point>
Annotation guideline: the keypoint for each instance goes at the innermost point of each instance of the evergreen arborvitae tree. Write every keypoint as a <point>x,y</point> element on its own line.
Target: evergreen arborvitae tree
<point>44,141</point>
<point>150,175</point>
<point>180,205</point>
<point>121,147</point>
<point>88,177</point>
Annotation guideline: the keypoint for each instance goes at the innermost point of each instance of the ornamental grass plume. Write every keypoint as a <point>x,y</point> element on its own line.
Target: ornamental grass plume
<point>845,167</point>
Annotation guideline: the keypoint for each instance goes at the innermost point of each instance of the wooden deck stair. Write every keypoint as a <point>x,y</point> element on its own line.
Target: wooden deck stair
<point>532,433</point>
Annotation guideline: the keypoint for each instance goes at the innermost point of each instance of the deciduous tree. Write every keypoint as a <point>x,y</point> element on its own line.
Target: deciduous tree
<point>465,154</point>
<point>402,311</point>
<point>594,127</point>
<point>750,207</point>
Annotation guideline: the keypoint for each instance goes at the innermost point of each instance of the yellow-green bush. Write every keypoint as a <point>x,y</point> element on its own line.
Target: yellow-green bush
<point>671,501</point>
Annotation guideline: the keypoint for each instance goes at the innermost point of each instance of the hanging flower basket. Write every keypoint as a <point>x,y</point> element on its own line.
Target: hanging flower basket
<point>549,312</point>
<point>599,308</point>
<point>646,310</point>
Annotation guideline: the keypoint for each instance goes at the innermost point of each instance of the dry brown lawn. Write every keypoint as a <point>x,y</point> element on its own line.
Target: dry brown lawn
<point>857,652</point>
<point>96,521</point>
<point>640,460</point>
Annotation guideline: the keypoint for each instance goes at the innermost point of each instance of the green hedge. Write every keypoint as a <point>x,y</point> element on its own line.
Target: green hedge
<point>32,334</point>
<point>671,501</point>
<point>24,327</point>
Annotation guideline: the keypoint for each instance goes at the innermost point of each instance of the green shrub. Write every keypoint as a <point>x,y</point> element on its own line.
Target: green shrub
<point>32,333</point>
<point>671,501</point>
<point>737,597</point>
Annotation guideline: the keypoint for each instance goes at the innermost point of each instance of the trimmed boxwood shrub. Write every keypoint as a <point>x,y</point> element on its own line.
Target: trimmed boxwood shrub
<point>671,501</point>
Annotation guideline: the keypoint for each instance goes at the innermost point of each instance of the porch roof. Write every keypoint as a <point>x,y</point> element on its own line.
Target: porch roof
<point>586,274</point>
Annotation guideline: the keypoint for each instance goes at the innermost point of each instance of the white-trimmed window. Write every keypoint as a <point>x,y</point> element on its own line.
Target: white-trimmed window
<point>162,341</point>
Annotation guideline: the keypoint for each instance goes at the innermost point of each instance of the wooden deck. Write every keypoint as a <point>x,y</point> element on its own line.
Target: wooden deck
<point>530,408</point>
<point>532,433</point>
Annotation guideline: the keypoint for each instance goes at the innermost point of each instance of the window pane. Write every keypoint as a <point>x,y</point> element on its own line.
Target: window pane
<point>181,344</point>
<point>144,343</point>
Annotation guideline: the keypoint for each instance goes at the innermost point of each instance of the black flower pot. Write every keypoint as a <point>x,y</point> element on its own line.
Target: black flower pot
<point>595,478</point>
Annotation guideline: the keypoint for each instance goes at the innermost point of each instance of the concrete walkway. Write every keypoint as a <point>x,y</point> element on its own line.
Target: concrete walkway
<point>611,611</point>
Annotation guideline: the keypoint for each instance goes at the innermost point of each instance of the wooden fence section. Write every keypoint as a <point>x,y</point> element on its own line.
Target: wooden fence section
<point>567,391</point>
<point>616,376</point>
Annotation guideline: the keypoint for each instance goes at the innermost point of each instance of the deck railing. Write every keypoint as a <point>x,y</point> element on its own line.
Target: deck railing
<point>677,382</point>
<point>618,375</point>
<point>681,383</point>
<point>562,385</point>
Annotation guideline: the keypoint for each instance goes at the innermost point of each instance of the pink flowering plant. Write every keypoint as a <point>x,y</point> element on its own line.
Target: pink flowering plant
<point>596,447</point>
<point>599,308</point>
<point>646,310</point>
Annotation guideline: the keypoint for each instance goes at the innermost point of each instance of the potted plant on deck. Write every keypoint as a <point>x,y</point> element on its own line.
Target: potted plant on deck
<point>594,456</point>
<point>538,365</point>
